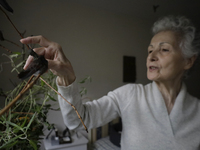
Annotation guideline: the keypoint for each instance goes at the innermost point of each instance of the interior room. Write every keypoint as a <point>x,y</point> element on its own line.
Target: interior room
<point>95,36</point>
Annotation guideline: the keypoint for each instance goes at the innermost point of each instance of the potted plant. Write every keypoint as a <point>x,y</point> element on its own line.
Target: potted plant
<point>21,126</point>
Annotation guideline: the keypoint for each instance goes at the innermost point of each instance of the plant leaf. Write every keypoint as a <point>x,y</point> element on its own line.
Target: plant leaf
<point>30,121</point>
<point>10,141</point>
<point>18,53</point>
<point>42,83</point>
<point>8,146</point>
<point>33,144</point>
<point>24,122</point>
<point>20,64</point>
<point>13,55</point>
<point>5,5</point>
<point>15,125</point>
<point>53,99</point>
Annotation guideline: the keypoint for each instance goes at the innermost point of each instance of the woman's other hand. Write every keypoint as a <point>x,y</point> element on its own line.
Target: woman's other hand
<point>53,53</point>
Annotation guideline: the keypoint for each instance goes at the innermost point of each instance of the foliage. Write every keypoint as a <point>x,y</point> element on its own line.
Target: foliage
<point>83,90</point>
<point>22,127</point>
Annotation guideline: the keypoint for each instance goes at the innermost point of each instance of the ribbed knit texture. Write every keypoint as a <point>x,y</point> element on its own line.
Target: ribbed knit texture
<point>145,120</point>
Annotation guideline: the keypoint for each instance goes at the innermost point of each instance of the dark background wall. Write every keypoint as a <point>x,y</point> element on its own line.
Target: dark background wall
<point>95,35</point>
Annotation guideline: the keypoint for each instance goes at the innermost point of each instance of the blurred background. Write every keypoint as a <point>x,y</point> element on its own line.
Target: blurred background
<point>94,35</point>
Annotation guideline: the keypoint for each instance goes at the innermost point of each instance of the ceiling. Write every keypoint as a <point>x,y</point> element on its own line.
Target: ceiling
<point>145,8</point>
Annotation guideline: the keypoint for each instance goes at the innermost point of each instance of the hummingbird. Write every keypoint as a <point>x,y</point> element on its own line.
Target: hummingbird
<point>38,66</point>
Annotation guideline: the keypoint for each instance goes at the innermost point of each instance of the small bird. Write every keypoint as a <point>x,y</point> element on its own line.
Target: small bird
<point>155,7</point>
<point>38,66</point>
<point>5,5</point>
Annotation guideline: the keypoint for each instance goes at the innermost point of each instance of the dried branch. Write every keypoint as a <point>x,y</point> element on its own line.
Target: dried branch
<point>26,87</point>
<point>22,113</point>
<point>6,49</point>
<point>67,102</point>
<point>11,22</point>
<point>12,43</point>
<point>14,26</point>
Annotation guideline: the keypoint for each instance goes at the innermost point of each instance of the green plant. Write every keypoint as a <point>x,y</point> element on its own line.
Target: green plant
<point>22,126</point>
<point>83,90</point>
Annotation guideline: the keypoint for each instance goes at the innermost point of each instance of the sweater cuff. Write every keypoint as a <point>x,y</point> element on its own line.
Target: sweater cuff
<point>68,91</point>
<point>62,86</point>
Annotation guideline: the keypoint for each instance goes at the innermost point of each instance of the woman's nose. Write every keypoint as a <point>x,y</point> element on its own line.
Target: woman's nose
<point>153,56</point>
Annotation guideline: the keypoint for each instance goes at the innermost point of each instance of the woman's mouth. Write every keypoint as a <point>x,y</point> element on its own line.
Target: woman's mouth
<point>153,68</point>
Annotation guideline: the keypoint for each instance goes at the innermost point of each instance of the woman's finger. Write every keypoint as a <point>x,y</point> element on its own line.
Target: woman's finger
<point>28,61</point>
<point>40,50</point>
<point>42,41</point>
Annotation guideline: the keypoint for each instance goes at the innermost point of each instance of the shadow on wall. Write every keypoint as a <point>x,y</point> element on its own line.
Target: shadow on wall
<point>193,82</point>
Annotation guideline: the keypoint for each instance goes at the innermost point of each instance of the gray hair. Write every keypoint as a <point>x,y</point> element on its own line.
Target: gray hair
<point>190,39</point>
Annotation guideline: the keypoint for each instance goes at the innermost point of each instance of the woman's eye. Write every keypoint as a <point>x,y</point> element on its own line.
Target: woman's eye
<point>165,50</point>
<point>149,52</point>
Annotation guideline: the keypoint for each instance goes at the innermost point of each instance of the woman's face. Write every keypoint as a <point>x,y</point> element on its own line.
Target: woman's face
<point>165,61</point>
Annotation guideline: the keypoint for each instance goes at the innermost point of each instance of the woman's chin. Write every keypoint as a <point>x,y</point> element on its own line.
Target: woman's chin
<point>151,78</point>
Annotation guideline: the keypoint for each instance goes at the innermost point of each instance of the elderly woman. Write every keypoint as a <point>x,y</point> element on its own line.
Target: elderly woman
<point>158,116</point>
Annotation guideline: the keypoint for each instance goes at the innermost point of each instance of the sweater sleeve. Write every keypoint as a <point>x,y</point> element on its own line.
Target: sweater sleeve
<point>94,113</point>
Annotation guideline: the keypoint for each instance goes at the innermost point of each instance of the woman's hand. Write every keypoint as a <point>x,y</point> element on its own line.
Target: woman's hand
<point>57,61</point>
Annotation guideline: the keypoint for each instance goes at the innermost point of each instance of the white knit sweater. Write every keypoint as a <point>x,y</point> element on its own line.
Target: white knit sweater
<point>145,120</point>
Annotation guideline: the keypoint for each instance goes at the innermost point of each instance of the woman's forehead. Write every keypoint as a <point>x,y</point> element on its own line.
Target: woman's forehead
<point>160,44</point>
<point>164,38</point>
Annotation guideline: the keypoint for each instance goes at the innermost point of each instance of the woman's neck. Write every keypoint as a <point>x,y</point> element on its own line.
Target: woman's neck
<point>169,91</point>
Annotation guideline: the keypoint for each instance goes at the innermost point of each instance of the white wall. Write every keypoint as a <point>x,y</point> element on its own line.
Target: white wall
<point>93,40</point>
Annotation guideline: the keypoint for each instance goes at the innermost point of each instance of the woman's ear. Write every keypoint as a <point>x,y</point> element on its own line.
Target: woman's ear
<point>190,62</point>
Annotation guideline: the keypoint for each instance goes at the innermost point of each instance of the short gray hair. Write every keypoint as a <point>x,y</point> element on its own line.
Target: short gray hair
<point>190,39</point>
